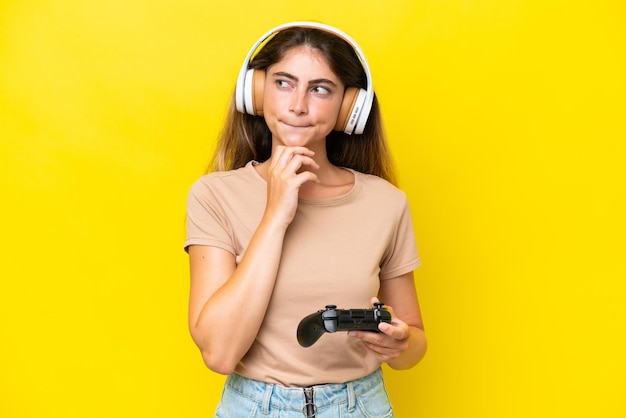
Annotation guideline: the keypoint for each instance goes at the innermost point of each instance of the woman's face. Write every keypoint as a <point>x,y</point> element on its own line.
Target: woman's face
<point>302,98</point>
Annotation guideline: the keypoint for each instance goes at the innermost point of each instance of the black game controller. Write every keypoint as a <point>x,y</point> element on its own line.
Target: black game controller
<point>331,319</point>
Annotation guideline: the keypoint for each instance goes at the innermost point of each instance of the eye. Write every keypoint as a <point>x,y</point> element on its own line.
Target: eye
<point>283,84</point>
<point>321,90</point>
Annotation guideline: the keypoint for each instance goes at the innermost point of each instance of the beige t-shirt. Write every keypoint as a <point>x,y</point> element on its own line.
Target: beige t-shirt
<point>335,251</point>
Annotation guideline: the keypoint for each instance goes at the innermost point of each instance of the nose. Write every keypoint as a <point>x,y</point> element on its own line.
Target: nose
<point>298,104</point>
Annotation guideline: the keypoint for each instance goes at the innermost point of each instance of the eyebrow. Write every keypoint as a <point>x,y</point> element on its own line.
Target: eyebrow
<point>294,78</point>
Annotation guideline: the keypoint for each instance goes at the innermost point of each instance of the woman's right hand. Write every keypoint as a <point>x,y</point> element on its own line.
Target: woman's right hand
<point>288,169</point>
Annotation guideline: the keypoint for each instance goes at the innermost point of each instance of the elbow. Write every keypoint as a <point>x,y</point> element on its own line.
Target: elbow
<point>216,360</point>
<point>218,364</point>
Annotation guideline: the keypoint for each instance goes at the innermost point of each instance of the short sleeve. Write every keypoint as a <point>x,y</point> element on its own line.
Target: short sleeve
<point>206,223</point>
<point>401,256</point>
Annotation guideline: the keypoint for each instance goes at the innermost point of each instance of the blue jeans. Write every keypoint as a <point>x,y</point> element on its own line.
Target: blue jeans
<point>361,398</point>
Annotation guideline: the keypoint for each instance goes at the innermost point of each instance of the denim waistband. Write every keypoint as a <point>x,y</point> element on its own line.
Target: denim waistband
<point>276,396</point>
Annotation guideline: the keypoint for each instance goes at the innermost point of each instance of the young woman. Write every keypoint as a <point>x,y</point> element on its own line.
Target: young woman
<point>298,212</point>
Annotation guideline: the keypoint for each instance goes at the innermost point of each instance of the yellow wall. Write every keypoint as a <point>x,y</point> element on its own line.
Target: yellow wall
<point>507,118</point>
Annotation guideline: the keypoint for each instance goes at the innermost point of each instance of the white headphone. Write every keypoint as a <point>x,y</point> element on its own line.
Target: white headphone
<point>356,105</point>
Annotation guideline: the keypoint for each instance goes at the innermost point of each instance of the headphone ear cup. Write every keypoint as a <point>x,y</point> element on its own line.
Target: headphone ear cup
<point>258,91</point>
<point>349,97</point>
<point>253,91</point>
<point>351,107</point>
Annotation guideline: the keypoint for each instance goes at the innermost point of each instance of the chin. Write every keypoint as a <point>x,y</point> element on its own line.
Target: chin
<point>303,139</point>
<point>295,140</point>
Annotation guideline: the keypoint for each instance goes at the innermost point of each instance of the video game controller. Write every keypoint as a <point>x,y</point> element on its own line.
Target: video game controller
<point>331,319</point>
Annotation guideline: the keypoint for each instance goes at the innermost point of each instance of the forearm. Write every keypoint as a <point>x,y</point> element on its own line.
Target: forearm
<point>230,301</point>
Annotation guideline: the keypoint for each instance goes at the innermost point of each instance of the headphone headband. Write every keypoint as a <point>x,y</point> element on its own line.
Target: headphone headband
<point>358,115</point>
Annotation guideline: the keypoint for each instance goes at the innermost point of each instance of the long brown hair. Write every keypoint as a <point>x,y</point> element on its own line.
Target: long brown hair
<point>246,137</point>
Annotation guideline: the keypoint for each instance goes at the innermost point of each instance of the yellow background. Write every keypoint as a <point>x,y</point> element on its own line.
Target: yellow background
<point>507,120</point>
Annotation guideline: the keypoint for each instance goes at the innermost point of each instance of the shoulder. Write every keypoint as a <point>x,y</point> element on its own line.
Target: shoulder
<point>225,180</point>
<point>227,188</point>
<point>379,187</point>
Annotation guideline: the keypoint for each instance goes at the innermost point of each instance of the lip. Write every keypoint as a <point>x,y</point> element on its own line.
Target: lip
<point>296,126</point>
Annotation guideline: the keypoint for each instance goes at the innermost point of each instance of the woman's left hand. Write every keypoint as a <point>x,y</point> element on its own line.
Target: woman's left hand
<point>390,342</point>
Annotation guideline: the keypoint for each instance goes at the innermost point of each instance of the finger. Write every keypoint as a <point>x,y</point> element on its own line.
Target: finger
<point>300,150</point>
<point>373,338</point>
<point>282,158</point>
<point>383,326</point>
<point>276,156</point>
<point>398,330</point>
<point>300,162</point>
<point>306,176</point>
<point>284,151</point>
<point>292,159</point>
<point>394,318</point>
<point>383,354</point>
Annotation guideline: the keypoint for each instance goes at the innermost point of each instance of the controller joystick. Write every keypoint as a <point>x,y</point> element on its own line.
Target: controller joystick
<point>331,319</point>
